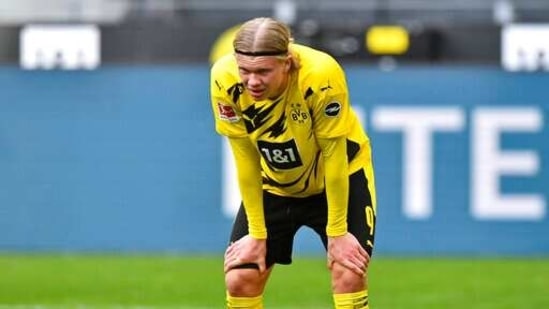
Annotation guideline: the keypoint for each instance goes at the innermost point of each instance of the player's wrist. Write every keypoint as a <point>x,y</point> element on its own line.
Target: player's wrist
<point>335,235</point>
<point>336,231</point>
<point>259,235</point>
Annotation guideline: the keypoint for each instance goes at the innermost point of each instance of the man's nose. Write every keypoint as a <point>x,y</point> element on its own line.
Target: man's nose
<point>254,79</point>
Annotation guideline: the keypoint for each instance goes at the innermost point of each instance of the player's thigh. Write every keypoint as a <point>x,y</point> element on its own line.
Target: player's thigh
<point>361,218</point>
<point>280,228</point>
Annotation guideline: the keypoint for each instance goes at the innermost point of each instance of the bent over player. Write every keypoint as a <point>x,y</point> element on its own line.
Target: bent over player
<point>302,159</point>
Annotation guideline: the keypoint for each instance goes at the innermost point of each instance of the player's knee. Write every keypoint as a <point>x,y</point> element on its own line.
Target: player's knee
<point>345,280</point>
<point>244,282</point>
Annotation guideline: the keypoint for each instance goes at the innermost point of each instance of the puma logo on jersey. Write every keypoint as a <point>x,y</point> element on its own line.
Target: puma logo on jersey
<point>256,117</point>
<point>332,109</point>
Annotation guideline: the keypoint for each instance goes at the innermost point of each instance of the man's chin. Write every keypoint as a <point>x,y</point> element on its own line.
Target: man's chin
<point>258,96</point>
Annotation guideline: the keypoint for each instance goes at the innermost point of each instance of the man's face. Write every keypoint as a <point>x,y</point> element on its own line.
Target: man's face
<point>264,77</point>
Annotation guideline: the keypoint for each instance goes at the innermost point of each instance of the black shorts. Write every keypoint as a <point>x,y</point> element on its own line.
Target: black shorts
<point>285,215</point>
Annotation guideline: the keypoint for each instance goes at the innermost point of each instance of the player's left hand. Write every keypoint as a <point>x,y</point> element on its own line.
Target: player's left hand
<point>347,251</point>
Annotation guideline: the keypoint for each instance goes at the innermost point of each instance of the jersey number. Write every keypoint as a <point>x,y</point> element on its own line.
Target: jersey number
<point>280,155</point>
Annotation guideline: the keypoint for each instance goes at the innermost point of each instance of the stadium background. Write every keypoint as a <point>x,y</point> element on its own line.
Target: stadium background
<point>123,158</point>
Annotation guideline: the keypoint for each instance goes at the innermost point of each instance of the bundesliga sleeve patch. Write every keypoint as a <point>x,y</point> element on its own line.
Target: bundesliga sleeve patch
<point>332,109</point>
<point>227,112</point>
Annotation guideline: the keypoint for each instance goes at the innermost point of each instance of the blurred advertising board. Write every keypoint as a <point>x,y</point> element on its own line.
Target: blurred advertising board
<point>126,159</point>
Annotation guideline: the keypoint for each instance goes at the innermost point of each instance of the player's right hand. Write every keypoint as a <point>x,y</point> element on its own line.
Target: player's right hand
<point>246,250</point>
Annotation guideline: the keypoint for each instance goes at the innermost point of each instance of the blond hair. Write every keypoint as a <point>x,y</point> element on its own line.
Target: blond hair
<point>264,36</point>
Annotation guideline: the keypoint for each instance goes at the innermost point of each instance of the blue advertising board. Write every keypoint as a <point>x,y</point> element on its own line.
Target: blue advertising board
<point>126,159</point>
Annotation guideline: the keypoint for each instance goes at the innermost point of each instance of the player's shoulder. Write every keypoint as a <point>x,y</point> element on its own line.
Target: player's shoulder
<point>224,66</point>
<point>315,60</point>
<point>317,68</point>
<point>224,74</point>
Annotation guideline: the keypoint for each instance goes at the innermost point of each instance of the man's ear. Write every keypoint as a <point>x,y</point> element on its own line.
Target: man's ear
<point>288,64</point>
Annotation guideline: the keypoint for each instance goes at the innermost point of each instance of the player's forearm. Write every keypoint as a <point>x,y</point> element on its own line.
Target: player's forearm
<point>250,184</point>
<point>337,184</point>
<point>252,197</point>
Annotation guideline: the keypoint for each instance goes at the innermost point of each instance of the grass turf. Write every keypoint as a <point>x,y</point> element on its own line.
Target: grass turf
<point>148,282</point>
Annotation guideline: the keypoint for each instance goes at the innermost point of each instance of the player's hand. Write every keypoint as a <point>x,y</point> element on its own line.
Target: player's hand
<point>246,250</point>
<point>347,251</point>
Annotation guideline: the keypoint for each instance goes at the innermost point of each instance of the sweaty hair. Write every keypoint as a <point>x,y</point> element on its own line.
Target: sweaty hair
<point>262,36</point>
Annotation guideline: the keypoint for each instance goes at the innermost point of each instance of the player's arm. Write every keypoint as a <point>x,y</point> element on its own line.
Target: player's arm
<point>343,247</point>
<point>248,169</point>
<point>334,153</point>
<point>331,114</point>
<point>228,122</point>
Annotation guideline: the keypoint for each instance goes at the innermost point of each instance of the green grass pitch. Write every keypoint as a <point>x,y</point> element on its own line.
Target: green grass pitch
<point>148,282</point>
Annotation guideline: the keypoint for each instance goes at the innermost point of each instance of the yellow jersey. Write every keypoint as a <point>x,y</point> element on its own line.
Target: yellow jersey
<point>285,130</point>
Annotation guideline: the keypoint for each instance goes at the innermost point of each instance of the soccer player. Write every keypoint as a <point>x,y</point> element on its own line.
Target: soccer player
<point>302,159</point>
